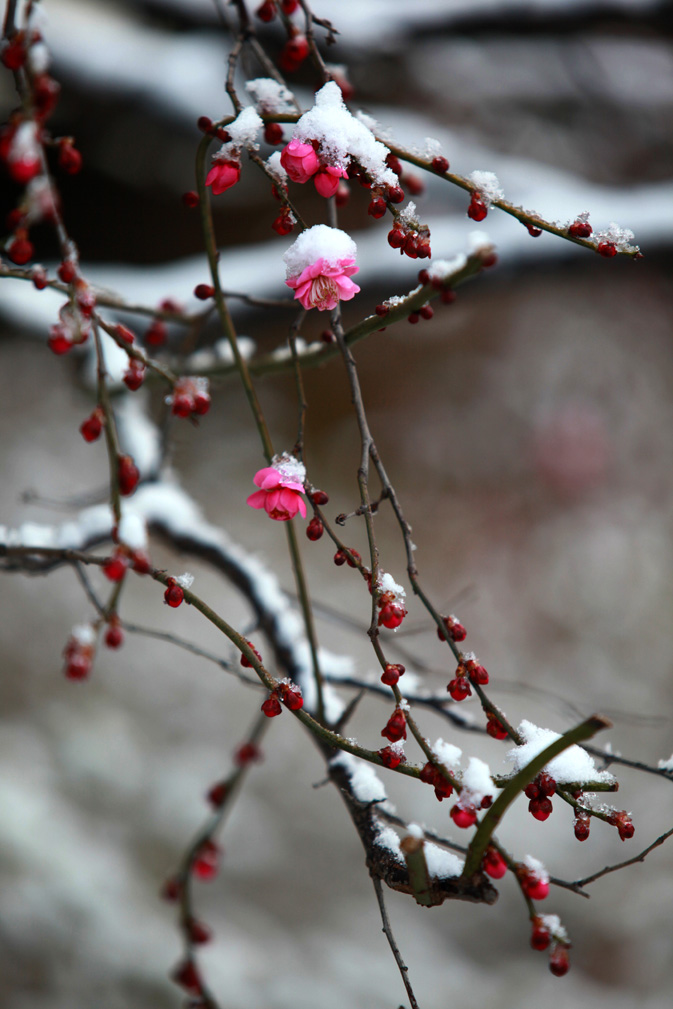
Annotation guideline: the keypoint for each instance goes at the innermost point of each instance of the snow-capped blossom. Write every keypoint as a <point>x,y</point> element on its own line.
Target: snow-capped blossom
<point>322,284</point>
<point>226,170</point>
<point>534,878</point>
<point>343,138</point>
<point>326,180</point>
<point>319,267</point>
<point>281,486</point>
<point>223,175</point>
<point>300,161</point>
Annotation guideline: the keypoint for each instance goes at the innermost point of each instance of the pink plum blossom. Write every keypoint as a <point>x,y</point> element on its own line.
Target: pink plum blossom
<point>323,284</point>
<point>223,175</point>
<point>300,161</point>
<point>327,180</point>
<point>280,493</point>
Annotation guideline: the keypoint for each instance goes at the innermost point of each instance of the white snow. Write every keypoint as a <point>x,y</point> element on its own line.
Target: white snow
<point>343,137</point>
<point>318,242</point>
<point>415,830</point>
<point>243,131</point>
<point>132,530</point>
<point>269,95</point>
<point>276,169</point>
<point>537,868</point>
<point>552,923</point>
<point>477,780</point>
<point>289,467</point>
<point>666,765</point>
<point>38,58</point>
<point>478,241</point>
<point>365,783</point>
<point>447,754</point>
<point>387,838</point>
<point>622,238</point>
<point>441,863</point>
<point>488,185</point>
<point>444,269</point>
<point>24,143</point>
<point>84,634</point>
<point>388,584</point>
<point>186,580</point>
<point>574,764</point>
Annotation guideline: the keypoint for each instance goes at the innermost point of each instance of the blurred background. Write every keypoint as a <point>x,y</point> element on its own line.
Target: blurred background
<point>527,431</point>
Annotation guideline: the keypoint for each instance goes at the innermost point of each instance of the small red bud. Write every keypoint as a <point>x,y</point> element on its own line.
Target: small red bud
<point>271,706</point>
<point>67,271</point>
<point>204,291</point>
<point>391,758</point>
<point>477,209</point>
<point>607,249</point>
<point>248,753</point>
<point>187,976</point>
<point>199,932</point>
<point>206,863</point>
<point>494,864</point>
<point>396,238</point>
<point>319,497</point>
<point>217,794</point>
<point>267,11</point>
<point>580,229</point>
<point>21,249</point>
<point>69,158</point>
<point>396,727</point>
<point>394,163</point>
<point>91,428</point>
<point>293,54</point>
<point>440,164</point>
<point>559,961</point>
<point>541,809</point>
<point>533,231</point>
<point>314,529</point>
<point>273,133</point>
<point>377,208</point>
<point>114,636</point>
<point>190,199</point>
<point>127,475</point>
<point>426,312</point>
<point>115,568</point>
<point>174,594</point>
<point>463,816</point>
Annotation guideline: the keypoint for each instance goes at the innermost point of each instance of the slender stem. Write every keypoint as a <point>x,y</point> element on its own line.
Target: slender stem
<point>388,932</point>
<point>223,311</point>
<point>309,624</point>
<point>630,861</point>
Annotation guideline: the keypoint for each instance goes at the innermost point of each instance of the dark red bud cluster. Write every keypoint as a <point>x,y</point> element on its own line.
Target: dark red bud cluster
<point>431,775</point>
<point>391,758</point>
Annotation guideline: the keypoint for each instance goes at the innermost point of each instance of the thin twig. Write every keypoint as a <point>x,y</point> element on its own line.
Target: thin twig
<point>621,865</point>
<point>403,969</point>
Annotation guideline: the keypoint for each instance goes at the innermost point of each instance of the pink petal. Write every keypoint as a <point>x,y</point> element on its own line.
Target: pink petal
<point>258,499</point>
<point>272,499</point>
<point>266,478</point>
